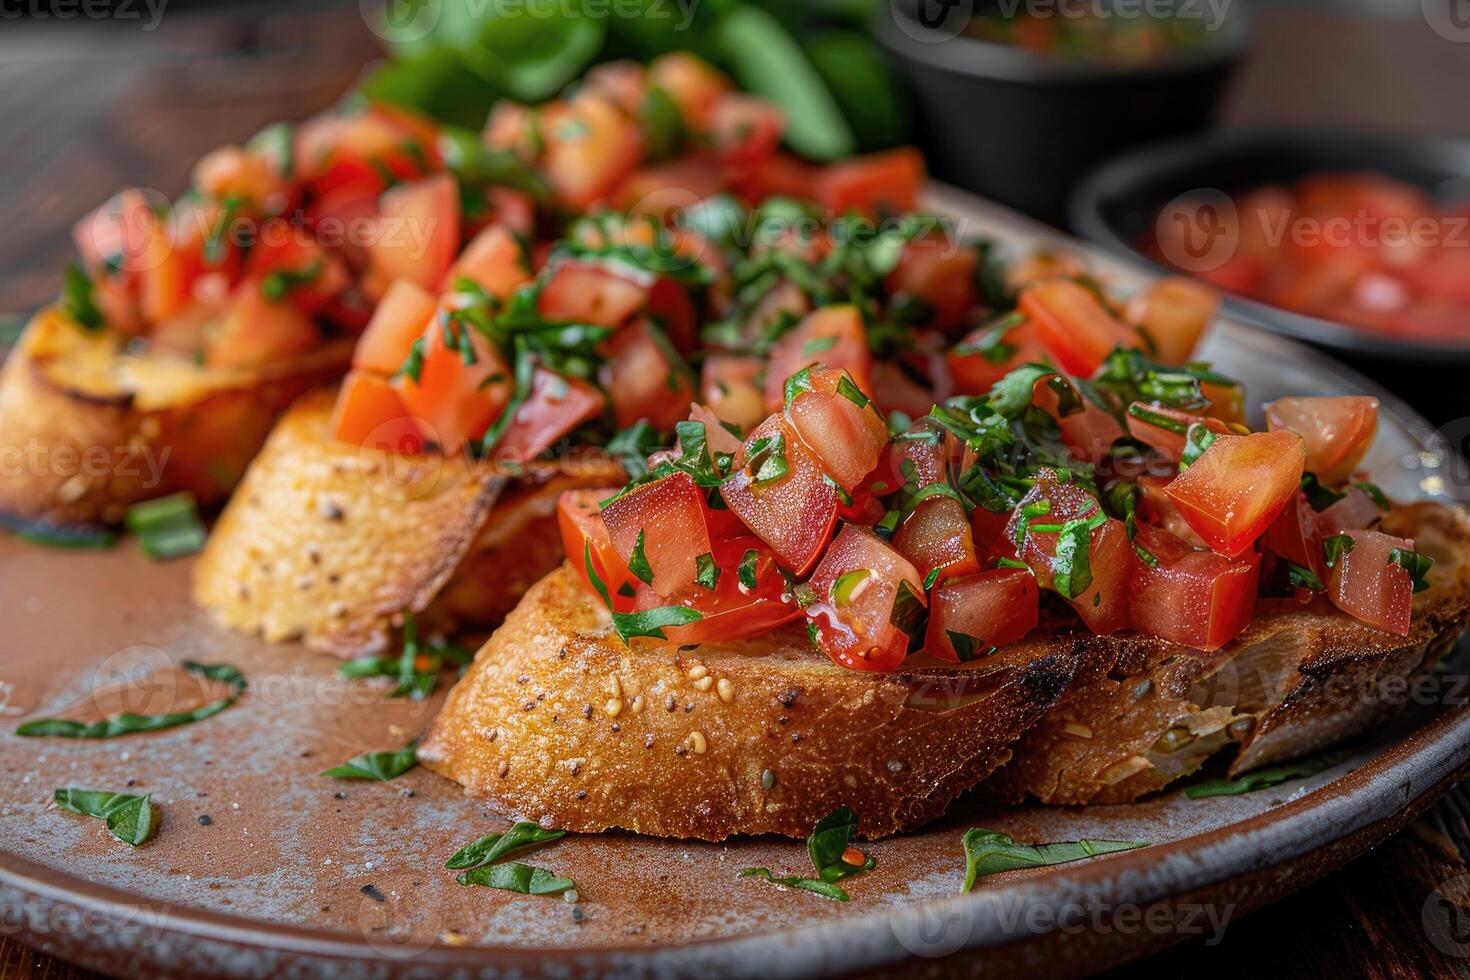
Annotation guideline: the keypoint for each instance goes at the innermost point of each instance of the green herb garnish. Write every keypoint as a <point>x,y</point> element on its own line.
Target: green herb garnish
<point>129,818</point>
<point>491,847</point>
<point>129,723</point>
<point>828,842</point>
<point>521,878</point>
<point>1415,563</point>
<point>168,527</point>
<point>1264,778</point>
<point>377,766</point>
<point>989,852</point>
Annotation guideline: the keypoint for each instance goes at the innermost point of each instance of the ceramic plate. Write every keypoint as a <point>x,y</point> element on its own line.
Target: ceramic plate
<point>261,866</point>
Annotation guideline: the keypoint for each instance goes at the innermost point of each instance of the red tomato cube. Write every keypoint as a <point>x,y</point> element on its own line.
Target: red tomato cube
<point>833,336</point>
<point>401,318</point>
<point>1194,598</point>
<point>556,406</point>
<point>971,615</point>
<point>863,587</point>
<point>840,425</point>
<point>1074,326</point>
<point>1367,584</point>
<point>370,413</point>
<point>936,537</point>
<point>1233,492</point>
<point>782,494</point>
<point>1338,431</point>
<point>659,529</point>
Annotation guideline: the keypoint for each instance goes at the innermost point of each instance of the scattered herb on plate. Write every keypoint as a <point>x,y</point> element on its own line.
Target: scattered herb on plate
<point>1266,778</point>
<point>832,855</point>
<point>989,852</point>
<point>129,722</point>
<point>377,766</point>
<point>491,847</point>
<point>129,817</point>
<point>168,527</point>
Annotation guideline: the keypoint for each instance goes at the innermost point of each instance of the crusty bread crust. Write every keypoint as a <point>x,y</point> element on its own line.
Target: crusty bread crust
<point>328,543</point>
<point>1297,680</point>
<point>559,722</point>
<point>81,441</point>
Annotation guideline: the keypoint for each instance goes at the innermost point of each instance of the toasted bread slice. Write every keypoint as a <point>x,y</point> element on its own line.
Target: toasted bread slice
<point>1141,713</point>
<point>87,430</point>
<point>327,542</point>
<point>559,721</point>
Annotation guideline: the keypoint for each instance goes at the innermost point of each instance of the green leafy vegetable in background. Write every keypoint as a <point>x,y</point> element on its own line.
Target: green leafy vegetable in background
<point>129,818</point>
<point>454,58</point>
<point>520,878</point>
<point>168,527</point>
<point>128,722</point>
<point>989,852</point>
<point>416,668</point>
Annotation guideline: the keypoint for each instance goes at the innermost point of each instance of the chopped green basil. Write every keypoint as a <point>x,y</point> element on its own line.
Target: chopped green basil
<point>492,847</point>
<point>1415,563</point>
<point>128,817</point>
<point>129,723</point>
<point>168,527</point>
<point>520,878</point>
<point>706,572</point>
<point>1264,778</point>
<point>377,766</point>
<point>989,852</point>
<point>638,561</point>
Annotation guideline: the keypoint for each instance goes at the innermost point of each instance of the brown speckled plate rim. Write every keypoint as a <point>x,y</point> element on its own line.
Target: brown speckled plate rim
<point>1398,782</point>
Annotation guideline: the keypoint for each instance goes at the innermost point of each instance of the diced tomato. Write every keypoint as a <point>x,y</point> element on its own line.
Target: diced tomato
<point>731,611</point>
<point>1368,585</point>
<point>625,83</point>
<point>590,147</point>
<point>670,306</point>
<point>117,235</point>
<point>1087,430</point>
<point>663,522</point>
<point>941,273</point>
<point>898,390</point>
<point>579,516</point>
<point>454,401</point>
<point>646,379</point>
<point>918,457</point>
<point>1233,492</point>
<point>255,332</point>
<point>1156,507</point>
<point>370,413</point>
<point>1099,595</point>
<point>863,587</point>
<point>839,424</point>
<point>981,359</point>
<point>745,130</point>
<point>1338,431</point>
<point>417,232</point>
<point>971,615</point>
<point>1174,313</point>
<point>231,172</point>
<point>693,84</point>
<point>400,319</point>
<point>494,260</point>
<point>1297,535</point>
<point>779,175</point>
<point>585,292</point>
<point>1194,598</point>
<point>1074,326</point>
<point>937,537</point>
<point>730,386</point>
<point>665,190</point>
<point>1166,429</point>
<point>307,274</point>
<point>513,127</point>
<point>1227,402</point>
<point>988,530</point>
<point>833,336</point>
<point>793,512</point>
<point>556,406</point>
<point>880,183</point>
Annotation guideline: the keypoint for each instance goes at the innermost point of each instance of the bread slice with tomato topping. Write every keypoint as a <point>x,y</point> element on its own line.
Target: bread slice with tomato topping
<point>1142,713</point>
<point>87,428</point>
<point>560,722</point>
<point>327,542</point>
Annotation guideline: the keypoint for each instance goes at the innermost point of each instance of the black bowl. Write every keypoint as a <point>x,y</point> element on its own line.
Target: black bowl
<point>1019,128</point>
<point>1117,204</point>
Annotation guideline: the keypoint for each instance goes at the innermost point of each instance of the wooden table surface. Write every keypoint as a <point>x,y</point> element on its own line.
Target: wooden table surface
<point>199,81</point>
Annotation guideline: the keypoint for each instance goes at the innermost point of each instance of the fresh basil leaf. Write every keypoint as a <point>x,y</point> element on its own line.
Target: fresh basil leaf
<point>1302,577</point>
<point>491,847</point>
<point>1374,493</point>
<point>377,766</point>
<point>822,888</point>
<point>1072,566</point>
<point>129,723</point>
<point>989,852</point>
<point>706,572</point>
<point>521,878</point>
<point>746,569</point>
<point>1319,496</point>
<point>1415,563</point>
<point>847,389</point>
<point>129,818</point>
<point>638,561</point>
<point>77,300</point>
<point>167,527</point>
<point>1013,394</point>
<point>1265,778</point>
<point>1197,442</point>
<point>663,126</point>
<point>1334,547</point>
<point>651,622</point>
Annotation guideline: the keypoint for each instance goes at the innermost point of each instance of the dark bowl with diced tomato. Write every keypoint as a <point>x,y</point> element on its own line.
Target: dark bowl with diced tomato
<point>1017,105</point>
<point>1359,242</point>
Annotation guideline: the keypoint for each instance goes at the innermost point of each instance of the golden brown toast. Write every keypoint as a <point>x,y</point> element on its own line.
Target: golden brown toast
<point>87,430</point>
<point>559,722</point>
<point>328,542</point>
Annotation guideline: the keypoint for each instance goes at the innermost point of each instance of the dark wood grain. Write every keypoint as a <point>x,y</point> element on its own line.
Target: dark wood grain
<point>71,140</point>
